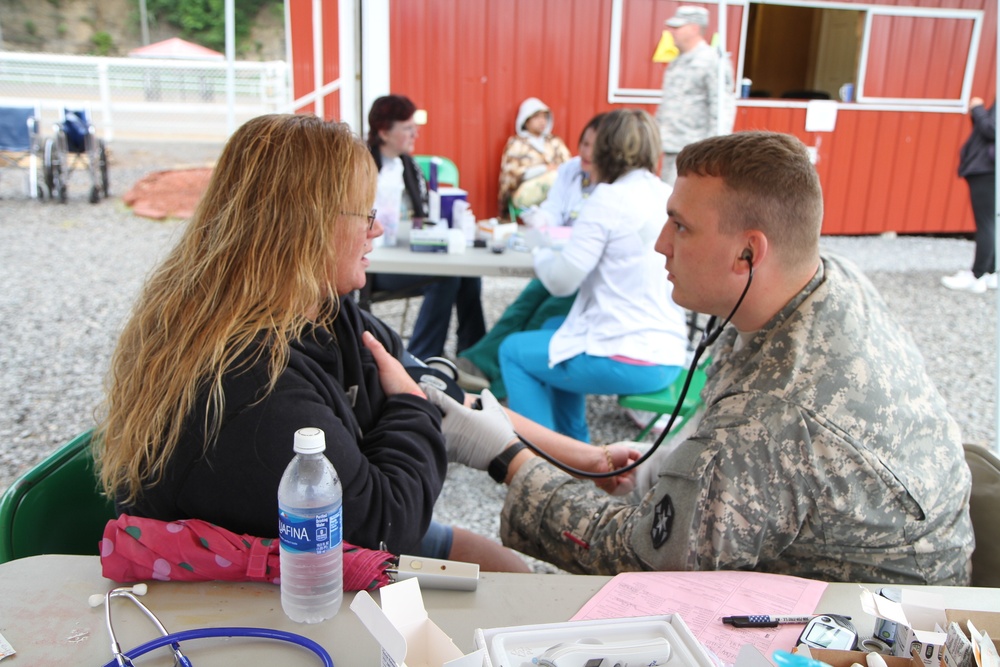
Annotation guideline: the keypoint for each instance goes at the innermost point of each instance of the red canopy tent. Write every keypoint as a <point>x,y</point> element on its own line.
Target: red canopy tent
<point>176,48</point>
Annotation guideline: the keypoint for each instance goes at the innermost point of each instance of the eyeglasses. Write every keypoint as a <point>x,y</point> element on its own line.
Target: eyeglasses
<point>370,216</point>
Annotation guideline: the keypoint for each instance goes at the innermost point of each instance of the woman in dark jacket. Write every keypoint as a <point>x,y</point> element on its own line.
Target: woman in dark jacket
<point>247,333</point>
<point>977,165</point>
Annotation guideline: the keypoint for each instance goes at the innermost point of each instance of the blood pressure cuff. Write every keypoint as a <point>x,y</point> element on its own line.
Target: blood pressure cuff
<point>437,379</point>
<point>418,370</point>
<point>140,549</point>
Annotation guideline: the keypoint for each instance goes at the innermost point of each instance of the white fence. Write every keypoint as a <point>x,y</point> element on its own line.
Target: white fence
<point>142,98</point>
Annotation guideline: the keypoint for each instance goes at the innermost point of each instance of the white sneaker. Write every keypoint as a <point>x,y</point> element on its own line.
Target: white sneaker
<point>964,281</point>
<point>991,280</point>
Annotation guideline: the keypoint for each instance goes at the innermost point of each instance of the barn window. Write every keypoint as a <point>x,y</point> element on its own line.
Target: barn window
<point>801,52</point>
<point>890,55</point>
<point>893,56</point>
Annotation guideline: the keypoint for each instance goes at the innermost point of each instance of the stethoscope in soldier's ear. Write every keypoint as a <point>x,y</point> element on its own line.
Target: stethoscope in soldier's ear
<point>708,336</point>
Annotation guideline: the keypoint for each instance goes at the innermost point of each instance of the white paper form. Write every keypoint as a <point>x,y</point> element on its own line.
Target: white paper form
<point>703,598</point>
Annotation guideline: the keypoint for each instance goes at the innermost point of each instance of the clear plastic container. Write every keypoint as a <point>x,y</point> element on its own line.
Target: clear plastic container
<point>310,500</point>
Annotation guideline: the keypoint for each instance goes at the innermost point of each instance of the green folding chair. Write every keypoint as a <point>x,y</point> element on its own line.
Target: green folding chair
<point>56,507</point>
<point>663,402</point>
<point>514,212</point>
<point>447,171</point>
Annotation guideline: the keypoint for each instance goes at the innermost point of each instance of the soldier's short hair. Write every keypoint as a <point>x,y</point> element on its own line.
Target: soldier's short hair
<point>773,184</point>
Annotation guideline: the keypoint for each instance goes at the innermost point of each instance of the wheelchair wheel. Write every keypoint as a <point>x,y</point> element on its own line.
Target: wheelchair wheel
<point>102,163</point>
<point>53,170</point>
<point>47,170</point>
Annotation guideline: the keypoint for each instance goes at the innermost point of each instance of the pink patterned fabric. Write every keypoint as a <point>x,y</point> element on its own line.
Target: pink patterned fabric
<point>138,549</point>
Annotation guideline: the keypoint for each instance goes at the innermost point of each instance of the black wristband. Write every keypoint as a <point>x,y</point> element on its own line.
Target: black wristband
<point>498,466</point>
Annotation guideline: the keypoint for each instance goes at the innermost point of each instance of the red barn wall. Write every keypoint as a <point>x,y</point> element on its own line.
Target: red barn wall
<point>470,64</point>
<point>300,28</point>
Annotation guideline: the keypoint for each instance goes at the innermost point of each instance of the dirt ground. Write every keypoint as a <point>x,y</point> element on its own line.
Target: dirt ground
<point>172,191</point>
<point>168,194</point>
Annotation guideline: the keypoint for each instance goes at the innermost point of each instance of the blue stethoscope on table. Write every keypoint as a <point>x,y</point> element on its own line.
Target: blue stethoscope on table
<point>124,659</point>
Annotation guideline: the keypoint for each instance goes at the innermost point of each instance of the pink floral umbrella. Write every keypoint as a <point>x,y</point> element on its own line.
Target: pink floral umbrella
<point>138,549</point>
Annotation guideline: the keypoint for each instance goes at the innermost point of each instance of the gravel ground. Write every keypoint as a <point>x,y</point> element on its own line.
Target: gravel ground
<point>71,272</point>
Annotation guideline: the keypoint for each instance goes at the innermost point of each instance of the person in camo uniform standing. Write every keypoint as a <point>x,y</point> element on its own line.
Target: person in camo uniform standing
<point>690,108</point>
<point>822,450</point>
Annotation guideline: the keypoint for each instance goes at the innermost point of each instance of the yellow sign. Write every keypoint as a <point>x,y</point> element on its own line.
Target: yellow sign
<point>666,50</point>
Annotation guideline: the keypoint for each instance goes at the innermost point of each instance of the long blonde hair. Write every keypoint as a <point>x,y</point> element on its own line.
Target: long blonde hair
<point>258,254</point>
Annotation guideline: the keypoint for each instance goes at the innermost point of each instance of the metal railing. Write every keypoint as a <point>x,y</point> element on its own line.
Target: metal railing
<point>143,98</point>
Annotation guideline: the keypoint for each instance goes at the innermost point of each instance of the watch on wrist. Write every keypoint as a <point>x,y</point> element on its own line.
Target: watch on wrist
<point>498,466</point>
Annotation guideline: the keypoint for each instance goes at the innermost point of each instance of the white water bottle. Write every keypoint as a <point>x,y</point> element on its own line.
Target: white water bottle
<point>310,499</point>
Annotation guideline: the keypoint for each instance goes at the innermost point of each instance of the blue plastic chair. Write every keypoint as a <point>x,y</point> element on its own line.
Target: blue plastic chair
<point>19,140</point>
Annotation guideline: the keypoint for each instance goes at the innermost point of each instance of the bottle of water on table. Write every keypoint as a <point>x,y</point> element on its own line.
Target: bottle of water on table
<point>310,499</point>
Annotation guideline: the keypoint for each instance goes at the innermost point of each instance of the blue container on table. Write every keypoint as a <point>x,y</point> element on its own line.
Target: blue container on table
<point>448,198</point>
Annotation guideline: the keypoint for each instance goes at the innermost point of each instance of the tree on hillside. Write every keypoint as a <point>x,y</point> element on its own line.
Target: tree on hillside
<point>204,21</point>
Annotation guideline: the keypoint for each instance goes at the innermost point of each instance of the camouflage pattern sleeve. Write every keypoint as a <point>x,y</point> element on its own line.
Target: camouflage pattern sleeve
<point>703,514</point>
<point>726,105</point>
<point>688,109</point>
<point>823,451</point>
<point>568,522</point>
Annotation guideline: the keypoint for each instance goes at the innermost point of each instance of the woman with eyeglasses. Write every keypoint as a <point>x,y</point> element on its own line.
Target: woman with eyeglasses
<point>391,136</point>
<point>246,333</point>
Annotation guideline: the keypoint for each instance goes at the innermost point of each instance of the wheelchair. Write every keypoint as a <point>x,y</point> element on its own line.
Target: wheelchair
<point>74,145</point>
<point>20,142</point>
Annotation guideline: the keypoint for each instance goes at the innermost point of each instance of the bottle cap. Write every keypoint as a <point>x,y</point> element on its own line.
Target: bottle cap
<point>309,441</point>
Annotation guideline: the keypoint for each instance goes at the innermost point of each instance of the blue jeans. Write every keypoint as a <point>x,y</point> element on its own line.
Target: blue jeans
<point>440,294</point>
<point>437,541</point>
<point>557,397</point>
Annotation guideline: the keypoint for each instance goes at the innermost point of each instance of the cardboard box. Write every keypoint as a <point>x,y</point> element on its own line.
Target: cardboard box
<point>922,623</point>
<point>409,638</point>
<point>848,658</point>
<point>448,198</point>
<point>431,238</point>
<point>437,238</point>
<point>987,622</point>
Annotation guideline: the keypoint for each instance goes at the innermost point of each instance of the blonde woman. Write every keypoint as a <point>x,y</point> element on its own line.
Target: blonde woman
<point>244,335</point>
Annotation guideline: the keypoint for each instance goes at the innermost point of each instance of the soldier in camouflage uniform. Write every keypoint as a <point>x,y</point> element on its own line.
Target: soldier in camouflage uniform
<point>823,449</point>
<point>690,108</point>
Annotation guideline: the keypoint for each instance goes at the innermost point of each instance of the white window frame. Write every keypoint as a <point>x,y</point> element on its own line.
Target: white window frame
<point>976,16</point>
<point>620,95</point>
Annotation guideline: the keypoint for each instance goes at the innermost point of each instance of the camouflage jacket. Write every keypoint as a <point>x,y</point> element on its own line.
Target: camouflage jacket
<point>690,105</point>
<point>823,451</point>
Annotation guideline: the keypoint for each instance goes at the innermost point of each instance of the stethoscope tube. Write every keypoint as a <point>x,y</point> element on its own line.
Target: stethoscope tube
<point>227,632</point>
<point>130,592</point>
<point>124,659</point>
<point>709,336</point>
